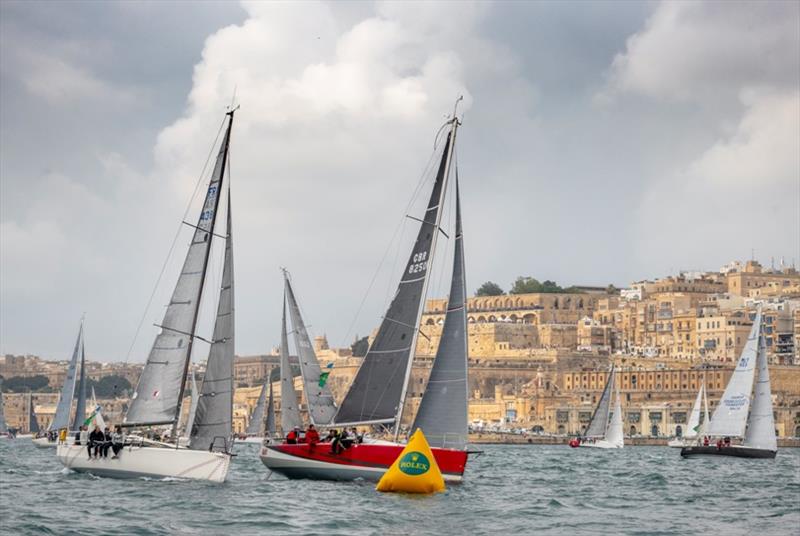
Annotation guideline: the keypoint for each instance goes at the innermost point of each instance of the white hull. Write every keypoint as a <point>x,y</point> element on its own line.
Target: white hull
<point>679,443</point>
<point>601,444</point>
<point>24,436</point>
<point>253,439</point>
<point>152,462</point>
<point>43,443</point>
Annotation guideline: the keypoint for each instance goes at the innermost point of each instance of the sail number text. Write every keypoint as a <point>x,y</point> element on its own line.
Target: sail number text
<point>418,262</point>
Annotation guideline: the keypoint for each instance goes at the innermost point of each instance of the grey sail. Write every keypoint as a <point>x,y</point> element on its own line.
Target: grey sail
<point>760,431</point>
<point>255,426</point>
<point>80,406</point>
<point>159,393</point>
<point>442,413</point>
<point>599,423</point>
<point>269,427</point>
<point>33,423</point>
<point>290,409</point>
<point>61,418</point>
<point>376,394</point>
<point>192,407</point>
<point>215,406</point>
<point>321,406</point>
<point>3,425</point>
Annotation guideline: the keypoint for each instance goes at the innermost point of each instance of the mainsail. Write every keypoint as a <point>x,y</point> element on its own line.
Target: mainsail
<point>80,406</point>
<point>760,432</point>
<point>442,413</point>
<point>33,423</point>
<point>290,410</point>
<point>159,393</point>
<point>215,408</point>
<point>377,392</point>
<point>61,418</point>
<point>694,419</point>
<point>269,427</point>
<point>599,424</point>
<point>730,416</point>
<point>256,425</point>
<point>321,406</point>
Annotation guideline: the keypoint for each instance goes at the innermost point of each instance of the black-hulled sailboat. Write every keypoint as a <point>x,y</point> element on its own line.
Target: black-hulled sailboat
<point>743,424</point>
<point>156,402</point>
<point>377,395</point>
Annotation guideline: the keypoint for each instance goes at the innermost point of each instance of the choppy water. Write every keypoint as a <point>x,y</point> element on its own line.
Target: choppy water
<point>508,490</point>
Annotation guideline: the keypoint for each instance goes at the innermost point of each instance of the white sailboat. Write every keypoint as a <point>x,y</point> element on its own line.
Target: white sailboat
<point>159,393</point>
<point>744,412</point>
<point>694,428</point>
<point>5,433</point>
<point>33,423</point>
<point>605,429</point>
<point>255,426</point>
<point>74,381</point>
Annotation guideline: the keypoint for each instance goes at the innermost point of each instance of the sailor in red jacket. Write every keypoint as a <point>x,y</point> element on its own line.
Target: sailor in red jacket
<point>312,436</point>
<point>293,436</point>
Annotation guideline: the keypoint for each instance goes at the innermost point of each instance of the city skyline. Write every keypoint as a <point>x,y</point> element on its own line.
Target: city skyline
<point>591,170</point>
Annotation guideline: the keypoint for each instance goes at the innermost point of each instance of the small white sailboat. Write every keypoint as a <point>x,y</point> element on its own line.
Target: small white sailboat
<point>743,412</point>
<point>159,392</point>
<point>605,429</point>
<point>75,381</point>
<point>694,427</point>
<point>255,426</point>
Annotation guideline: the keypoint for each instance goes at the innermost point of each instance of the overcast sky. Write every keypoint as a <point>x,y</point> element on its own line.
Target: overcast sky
<point>602,142</point>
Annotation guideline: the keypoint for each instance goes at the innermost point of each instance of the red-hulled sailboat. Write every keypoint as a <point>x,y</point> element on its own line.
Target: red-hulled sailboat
<point>377,394</point>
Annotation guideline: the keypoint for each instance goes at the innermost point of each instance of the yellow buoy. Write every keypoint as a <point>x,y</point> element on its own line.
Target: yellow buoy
<point>415,470</point>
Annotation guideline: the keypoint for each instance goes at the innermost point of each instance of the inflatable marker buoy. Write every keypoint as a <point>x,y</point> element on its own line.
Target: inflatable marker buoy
<point>415,470</point>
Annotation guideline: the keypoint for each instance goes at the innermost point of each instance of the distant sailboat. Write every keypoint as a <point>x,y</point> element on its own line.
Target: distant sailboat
<point>377,395</point>
<point>605,429</point>
<point>61,419</point>
<point>255,426</point>
<point>33,424</point>
<point>159,392</point>
<point>4,431</point>
<point>693,427</point>
<point>743,413</point>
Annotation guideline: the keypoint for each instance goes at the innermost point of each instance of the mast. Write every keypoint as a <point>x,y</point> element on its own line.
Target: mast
<point>442,196</point>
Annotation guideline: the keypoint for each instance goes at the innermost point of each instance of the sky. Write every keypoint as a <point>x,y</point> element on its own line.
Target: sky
<point>602,142</point>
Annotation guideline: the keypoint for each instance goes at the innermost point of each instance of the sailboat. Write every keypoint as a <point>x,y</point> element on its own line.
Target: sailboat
<point>5,433</point>
<point>742,413</point>
<point>75,380</point>
<point>255,426</point>
<point>605,428</point>
<point>33,423</point>
<point>159,392</point>
<point>694,428</point>
<point>377,395</point>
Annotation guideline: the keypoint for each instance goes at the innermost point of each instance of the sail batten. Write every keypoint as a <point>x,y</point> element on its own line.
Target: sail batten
<point>378,389</point>
<point>159,392</point>
<point>214,416</point>
<point>61,418</point>
<point>321,407</point>
<point>730,415</point>
<point>442,414</point>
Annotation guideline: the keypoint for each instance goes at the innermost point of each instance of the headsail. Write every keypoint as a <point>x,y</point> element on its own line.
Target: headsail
<point>321,406</point>
<point>33,423</point>
<point>269,427</point>
<point>442,414</point>
<point>599,424</point>
<point>614,433</point>
<point>159,393</point>
<point>3,425</point>
<point>730,416</point>
<point>80,406</point>
<point>192,408</point>
<point>256,425</point>
<point>761,423</point>
<point>290,409</point>
<point>215,407</point>
<point>693,426</point>
<point>377,392</point>
<point>61,418</point>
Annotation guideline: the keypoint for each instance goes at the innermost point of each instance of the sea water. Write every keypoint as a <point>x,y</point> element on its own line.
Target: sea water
<point>508,489</point>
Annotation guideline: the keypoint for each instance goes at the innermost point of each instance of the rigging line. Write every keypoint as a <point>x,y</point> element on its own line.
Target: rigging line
<point>174,241</point>
<point>402,221</point>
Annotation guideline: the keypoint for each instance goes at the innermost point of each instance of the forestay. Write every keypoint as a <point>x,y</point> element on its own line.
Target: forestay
<point>215,407</point>
<point>730,416</point>
<point>599,424</point>
<point>157,397</point>
<point>290,410</point>
<point>321,406</point>
<point>61,418</point>
<point>442,414</point>
<point>761,424</point>
<point>377,390</point>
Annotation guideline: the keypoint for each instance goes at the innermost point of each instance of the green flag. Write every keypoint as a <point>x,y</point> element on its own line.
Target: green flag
<point>323,377</point>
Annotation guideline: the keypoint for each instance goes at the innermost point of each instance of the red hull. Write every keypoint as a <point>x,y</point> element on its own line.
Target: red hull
<point>366,461</point>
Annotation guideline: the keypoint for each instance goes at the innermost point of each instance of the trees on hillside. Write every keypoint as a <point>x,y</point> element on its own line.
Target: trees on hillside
<point>490,288</point>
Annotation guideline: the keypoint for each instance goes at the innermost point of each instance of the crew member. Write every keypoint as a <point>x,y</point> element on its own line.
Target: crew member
<point>293,436</point>
<point>312,436</point>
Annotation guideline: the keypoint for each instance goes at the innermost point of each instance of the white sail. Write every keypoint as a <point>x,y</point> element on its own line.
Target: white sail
<point>192,407</point>
<point>707,420</point>
<point>694,418</point>
<point>761,424</point>
<point>614,434</point>
<point>730,416</point>
<point>97,412</point>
